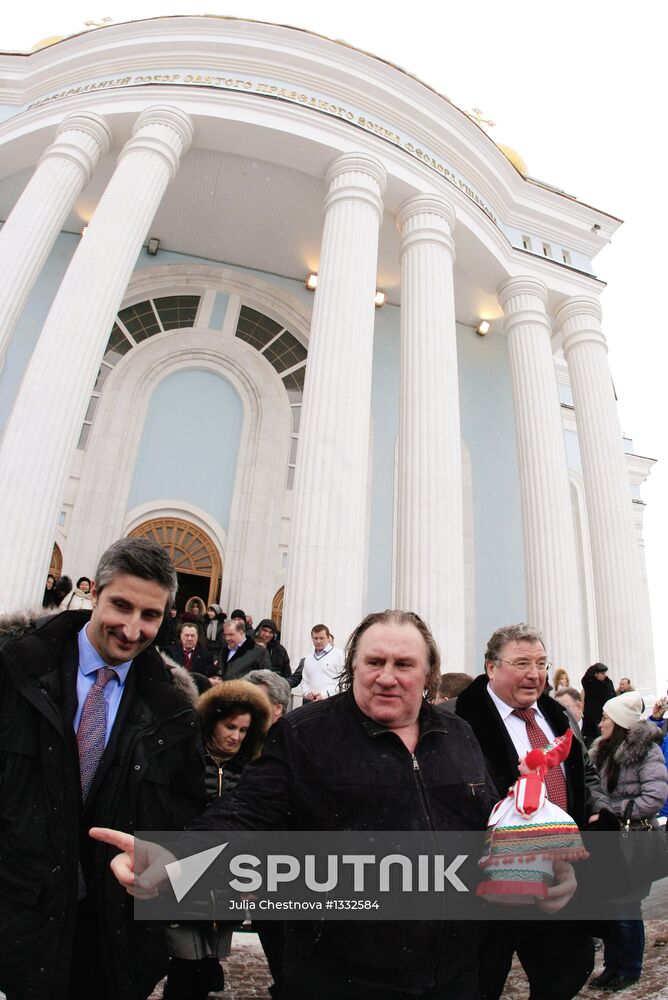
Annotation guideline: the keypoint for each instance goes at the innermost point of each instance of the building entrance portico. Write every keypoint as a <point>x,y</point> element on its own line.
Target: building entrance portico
<point>334,459</point>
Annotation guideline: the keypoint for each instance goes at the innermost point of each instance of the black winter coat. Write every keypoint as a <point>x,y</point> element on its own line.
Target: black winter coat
<point>596,693</point>
<point>151,777</point>
<point>327,766</point>
<point>280,660</point>
<point>249,656</point>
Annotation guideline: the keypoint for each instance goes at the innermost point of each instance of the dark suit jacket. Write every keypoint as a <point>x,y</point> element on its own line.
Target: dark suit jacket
<point>201,663</point>
<point>249,656</point>
<point>585,795</point>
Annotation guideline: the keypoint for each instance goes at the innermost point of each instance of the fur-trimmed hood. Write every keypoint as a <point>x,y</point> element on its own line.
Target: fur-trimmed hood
<point>640,737</point>
<point>233,698</point>
<point>181,679</point>
<point>14,624</point>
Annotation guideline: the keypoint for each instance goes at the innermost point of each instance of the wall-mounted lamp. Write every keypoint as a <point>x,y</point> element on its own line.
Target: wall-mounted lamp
<point>483,328</point>
<point>83,231</point>
<point>152,246</point>
<point>312,283</point>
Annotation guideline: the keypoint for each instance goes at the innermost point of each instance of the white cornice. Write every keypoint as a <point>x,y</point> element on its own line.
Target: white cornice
<point>333,70</point>
<point>639,467</point>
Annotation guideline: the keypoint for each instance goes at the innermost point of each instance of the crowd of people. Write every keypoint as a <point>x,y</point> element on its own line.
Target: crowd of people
<point>120,713</point>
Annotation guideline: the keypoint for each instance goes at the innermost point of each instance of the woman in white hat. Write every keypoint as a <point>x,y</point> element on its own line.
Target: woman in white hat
<point>632,767</point>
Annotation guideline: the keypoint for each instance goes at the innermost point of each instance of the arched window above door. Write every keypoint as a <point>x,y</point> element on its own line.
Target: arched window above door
<point>190,549</point>
<point>160,314</point>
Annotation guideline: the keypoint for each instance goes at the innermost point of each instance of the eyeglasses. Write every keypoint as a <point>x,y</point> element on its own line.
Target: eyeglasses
<point>524,666</point>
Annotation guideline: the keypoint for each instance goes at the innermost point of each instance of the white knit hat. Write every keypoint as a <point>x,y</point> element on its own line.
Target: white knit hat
<point>626,709</point>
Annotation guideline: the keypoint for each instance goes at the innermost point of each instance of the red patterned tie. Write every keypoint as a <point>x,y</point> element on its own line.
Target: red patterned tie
<point>92,729</point>
<point>555,783</point>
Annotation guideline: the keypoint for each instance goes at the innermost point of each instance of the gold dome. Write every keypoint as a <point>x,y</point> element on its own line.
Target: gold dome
<point>515,158</point>
<point>45,42</point>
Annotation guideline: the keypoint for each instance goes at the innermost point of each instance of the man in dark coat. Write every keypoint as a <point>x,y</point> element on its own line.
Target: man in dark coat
<point>557,962</point>
<point>189,652</point>
<point>92,729</point>
<point>241,654</point>
<point>267,634</point>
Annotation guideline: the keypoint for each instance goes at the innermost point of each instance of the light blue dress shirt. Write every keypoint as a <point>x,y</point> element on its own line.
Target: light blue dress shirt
<point>90,662</point>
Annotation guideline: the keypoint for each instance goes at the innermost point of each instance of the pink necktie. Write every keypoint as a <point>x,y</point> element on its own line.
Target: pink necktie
<point>555,783</point>
<point>92,729</point>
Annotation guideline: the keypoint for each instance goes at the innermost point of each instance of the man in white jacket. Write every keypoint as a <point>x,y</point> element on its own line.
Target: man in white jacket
<point>322,667</point>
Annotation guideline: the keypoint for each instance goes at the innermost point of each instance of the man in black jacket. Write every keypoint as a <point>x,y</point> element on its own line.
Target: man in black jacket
<point>377,756</point>
<point>92,730</point>
<point>266,634</point>
<point>557,962</point>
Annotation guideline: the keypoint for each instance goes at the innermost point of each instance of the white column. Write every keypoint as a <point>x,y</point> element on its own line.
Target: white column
<point>549,536</point>
<point>326,561</point>
<point>624,637</point>
<point>43,429</point>
<point>30,231</point>
<point>430,524</point>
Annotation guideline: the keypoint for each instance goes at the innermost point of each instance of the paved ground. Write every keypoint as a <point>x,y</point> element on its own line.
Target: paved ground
<point>247,976</point>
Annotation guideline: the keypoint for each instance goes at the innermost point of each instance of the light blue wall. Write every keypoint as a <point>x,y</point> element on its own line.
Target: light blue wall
<point>573,457</point>
<point>164,257</point>
<point>32,320</point>
<point>488,428</point>
<point>218,311</point>
<point>190,444</point>
<point>384,430</point>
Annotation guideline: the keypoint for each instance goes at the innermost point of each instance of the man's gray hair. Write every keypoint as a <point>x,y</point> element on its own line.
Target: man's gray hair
<point>277,688</point>
<point>571,692</point>
<point>511,633</point>
<point>137,557</point>
<point>235,623</point>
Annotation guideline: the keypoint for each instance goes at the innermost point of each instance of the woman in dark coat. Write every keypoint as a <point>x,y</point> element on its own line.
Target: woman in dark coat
<point>50,600</point>
<point>195,612</point>
<point>234,719</point>
<point>215,639</point>
<point>598,688</point>
<point>631,763</point>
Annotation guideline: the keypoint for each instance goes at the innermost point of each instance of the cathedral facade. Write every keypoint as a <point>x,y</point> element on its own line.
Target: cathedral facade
<point>279,305</point>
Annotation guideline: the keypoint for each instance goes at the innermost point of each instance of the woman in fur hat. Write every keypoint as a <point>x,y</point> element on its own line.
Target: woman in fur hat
<point>632,767</point>
<point>234,718</point>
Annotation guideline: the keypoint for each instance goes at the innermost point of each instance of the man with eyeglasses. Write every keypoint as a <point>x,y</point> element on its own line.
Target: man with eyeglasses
<point>510,713</point>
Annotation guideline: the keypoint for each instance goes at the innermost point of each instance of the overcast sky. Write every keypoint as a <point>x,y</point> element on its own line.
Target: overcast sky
<point>577,88</point>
